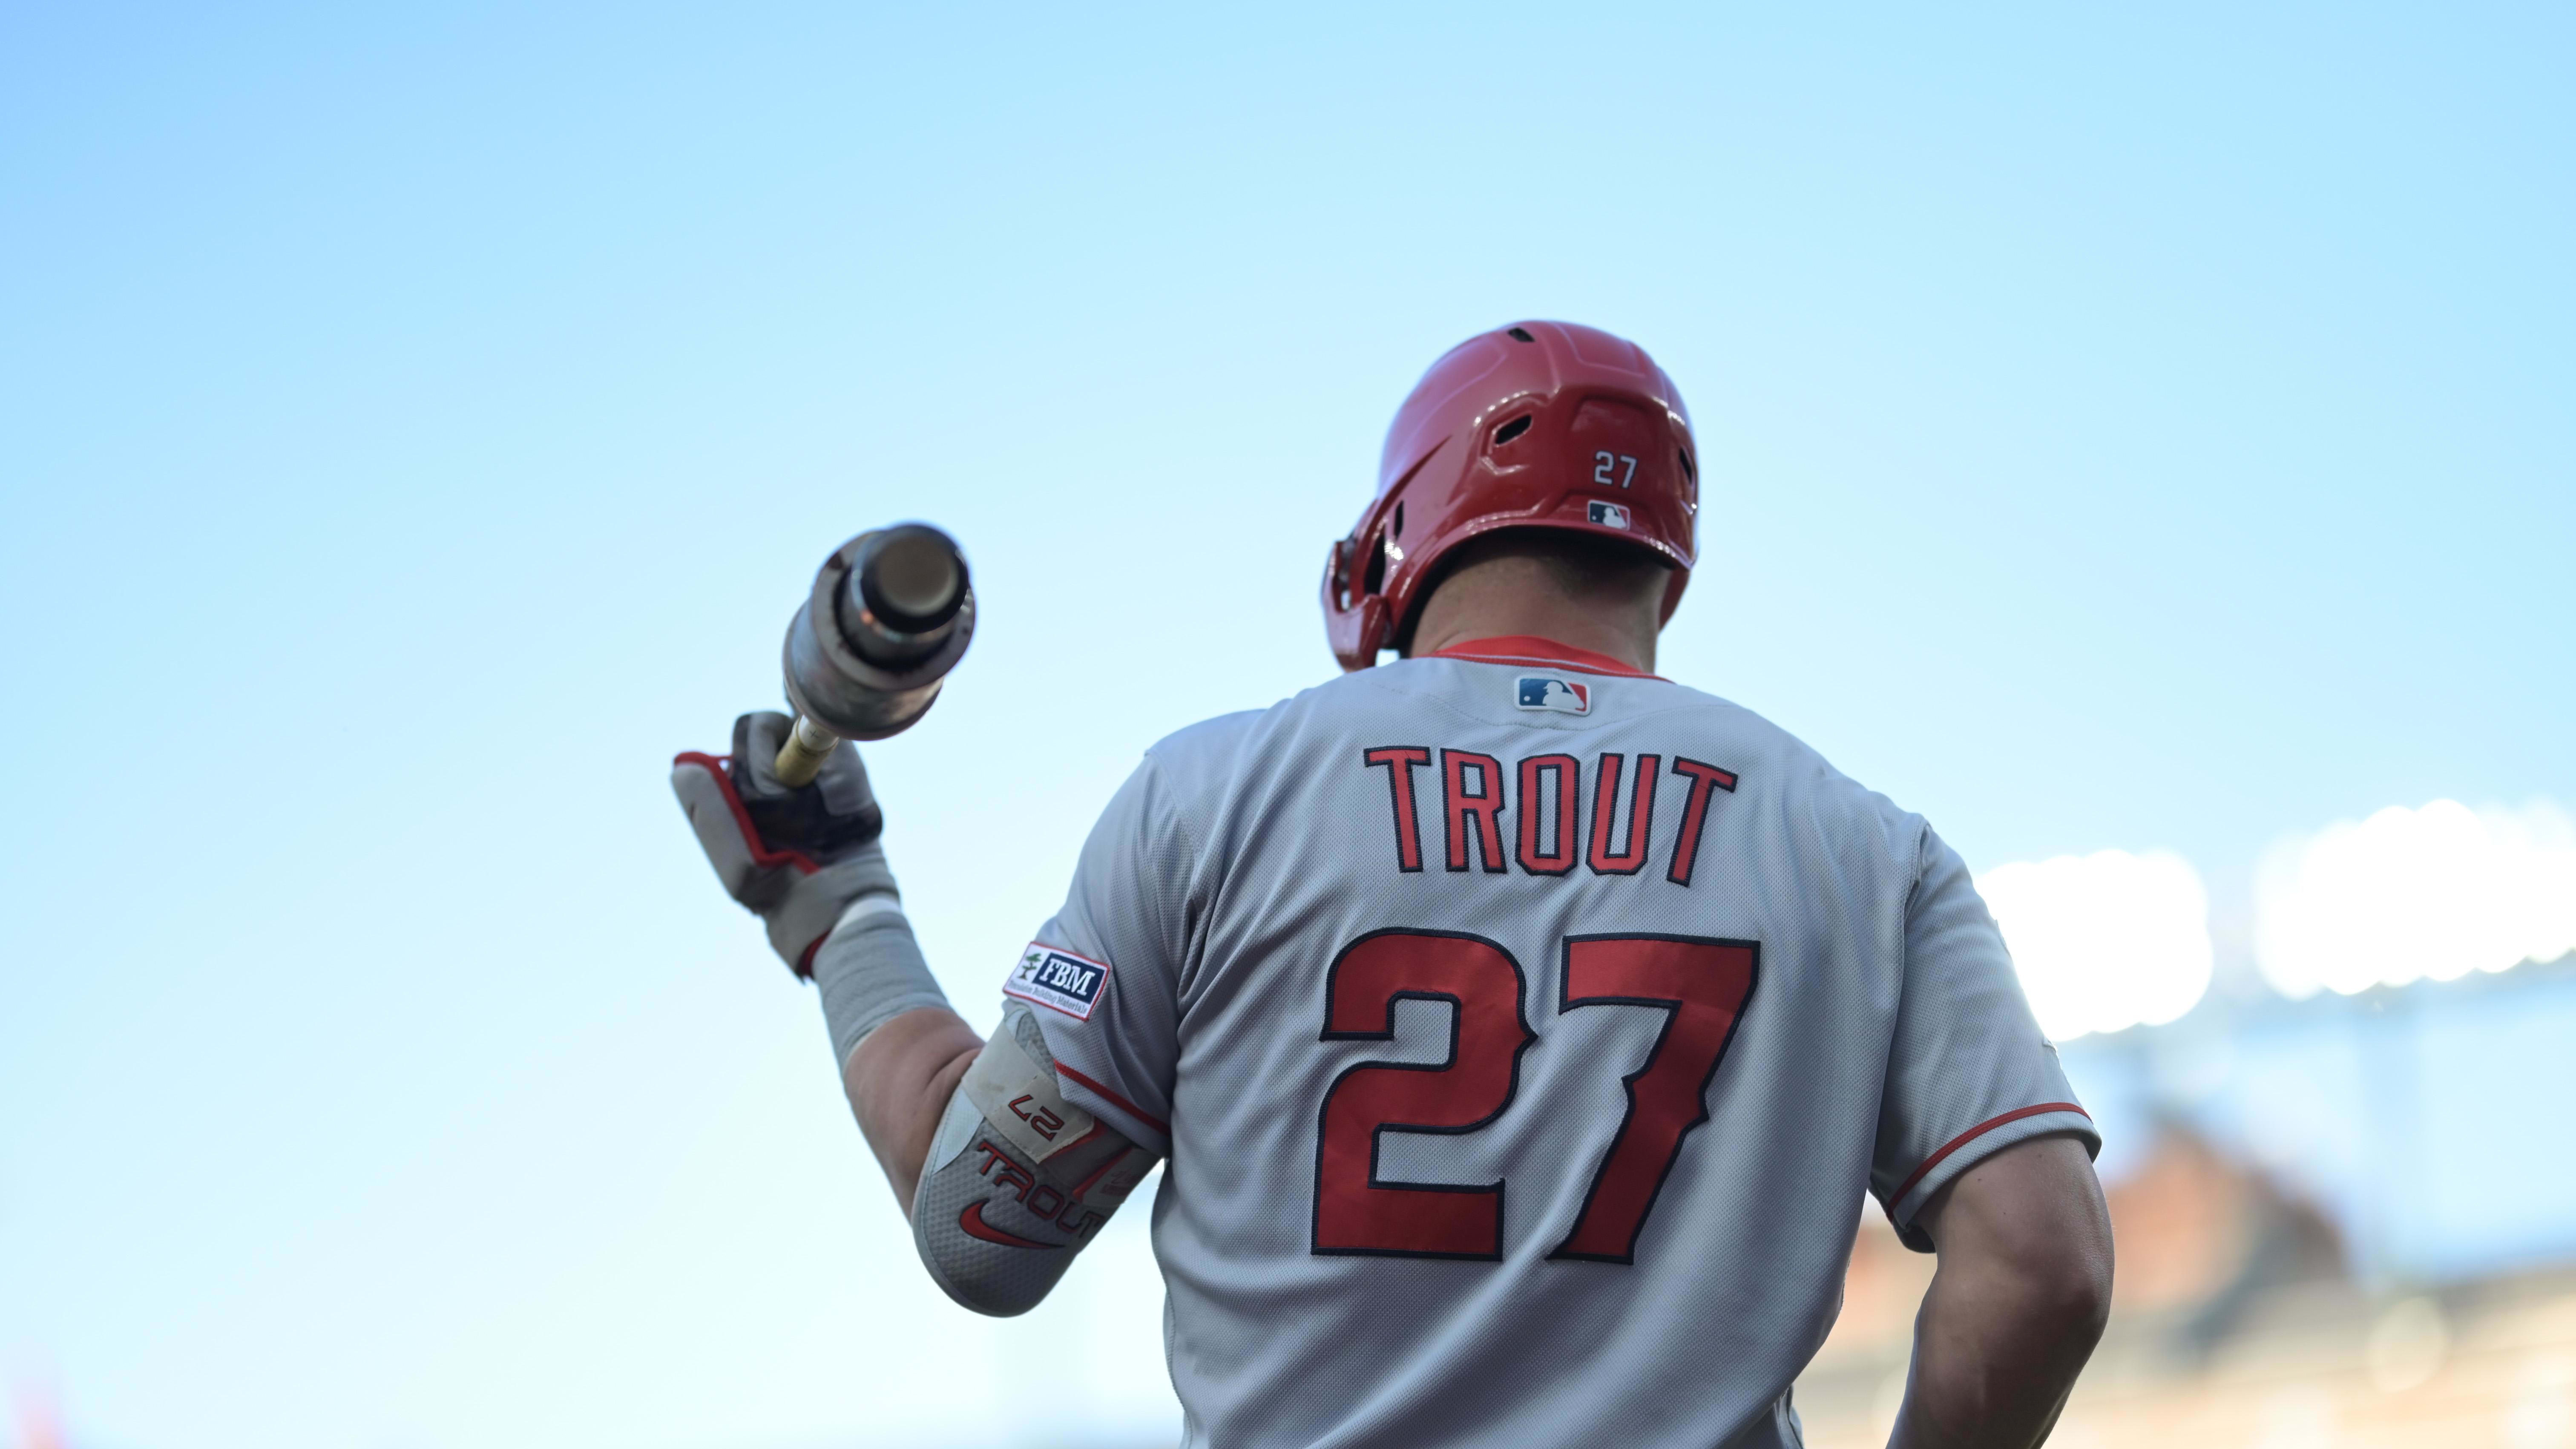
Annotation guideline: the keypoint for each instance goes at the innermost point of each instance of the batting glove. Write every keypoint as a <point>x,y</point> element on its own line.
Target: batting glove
<point>797,858</point>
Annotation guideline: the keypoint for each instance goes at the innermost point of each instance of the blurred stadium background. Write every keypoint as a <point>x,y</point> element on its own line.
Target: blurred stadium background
<point>2336,1162</point>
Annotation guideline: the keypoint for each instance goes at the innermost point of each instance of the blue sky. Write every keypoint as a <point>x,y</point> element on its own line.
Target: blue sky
<point>2122,429</point>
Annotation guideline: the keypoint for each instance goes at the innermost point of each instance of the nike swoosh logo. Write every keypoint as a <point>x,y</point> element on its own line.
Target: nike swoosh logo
<point>972,1220</point>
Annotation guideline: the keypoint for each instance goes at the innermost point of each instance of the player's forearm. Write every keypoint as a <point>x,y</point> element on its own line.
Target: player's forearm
<point>899,1081</point>
<point>902,1051</point>
<point>2017,1304</point>
<point>1997,1349</point>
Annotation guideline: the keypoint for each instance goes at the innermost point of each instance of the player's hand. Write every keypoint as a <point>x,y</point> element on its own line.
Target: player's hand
<point>796,858</point>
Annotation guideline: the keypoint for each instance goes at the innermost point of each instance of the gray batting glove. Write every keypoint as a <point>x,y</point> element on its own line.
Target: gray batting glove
<point>796,858</point>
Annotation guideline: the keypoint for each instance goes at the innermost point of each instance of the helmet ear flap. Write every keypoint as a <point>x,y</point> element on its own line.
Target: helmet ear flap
<point>1354,614</point>
<point>1340,589</point>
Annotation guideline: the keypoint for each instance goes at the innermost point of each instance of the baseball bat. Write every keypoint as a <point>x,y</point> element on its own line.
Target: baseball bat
<point>891,613</point>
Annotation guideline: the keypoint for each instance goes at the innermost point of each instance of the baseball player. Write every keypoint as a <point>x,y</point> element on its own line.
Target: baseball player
<point>1521,1027</point>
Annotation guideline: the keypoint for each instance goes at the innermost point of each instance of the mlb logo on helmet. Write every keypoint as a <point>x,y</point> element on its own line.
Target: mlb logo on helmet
<point>1547,691</point>
<point>1608,515</point>
<point>1059,979</point>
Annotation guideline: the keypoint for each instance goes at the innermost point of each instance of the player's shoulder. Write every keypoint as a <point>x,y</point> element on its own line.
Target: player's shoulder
<point>1199,768</point>
<point>1211,745</point>
<point>1230,736</point>
<point>1225,749</point>
<point>1781,764</point>
<point>1789,757</point>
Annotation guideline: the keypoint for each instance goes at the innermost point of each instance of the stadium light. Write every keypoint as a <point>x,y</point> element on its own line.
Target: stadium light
<point>2104,941</point>
<point>2410,894</point>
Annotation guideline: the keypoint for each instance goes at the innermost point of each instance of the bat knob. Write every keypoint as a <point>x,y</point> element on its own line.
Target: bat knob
<point>891,612</point>
<point>906,582</point>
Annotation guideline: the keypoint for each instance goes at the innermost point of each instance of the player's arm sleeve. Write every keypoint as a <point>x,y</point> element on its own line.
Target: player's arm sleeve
<point>1968,1073</point>
<point>1070,1103</point>
<point>1018,1180</point>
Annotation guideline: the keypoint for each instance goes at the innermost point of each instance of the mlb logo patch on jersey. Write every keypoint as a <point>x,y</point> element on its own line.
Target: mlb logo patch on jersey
<point>1058,979</point>
<point>1608,515</point>
<point>1549,692</point>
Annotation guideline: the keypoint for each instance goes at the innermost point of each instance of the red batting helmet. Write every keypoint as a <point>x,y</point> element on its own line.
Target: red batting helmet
<point>1539,425</point>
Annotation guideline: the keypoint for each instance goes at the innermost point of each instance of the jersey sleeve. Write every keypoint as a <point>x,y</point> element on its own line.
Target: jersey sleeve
<point>1103,976</point>
<point>1968,1073</point>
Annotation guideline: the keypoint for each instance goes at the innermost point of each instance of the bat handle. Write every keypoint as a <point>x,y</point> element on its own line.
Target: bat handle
<point>801,758</point>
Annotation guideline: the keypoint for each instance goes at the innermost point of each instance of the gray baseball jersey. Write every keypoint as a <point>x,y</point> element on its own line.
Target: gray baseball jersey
<point>1522,1031</point>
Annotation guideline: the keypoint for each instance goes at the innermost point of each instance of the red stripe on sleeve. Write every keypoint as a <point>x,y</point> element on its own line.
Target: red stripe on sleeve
<point>1112,1098</point>
<point>1971,1135</point>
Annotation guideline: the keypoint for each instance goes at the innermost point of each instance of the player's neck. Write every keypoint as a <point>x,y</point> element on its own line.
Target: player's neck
<point>1498,597</point>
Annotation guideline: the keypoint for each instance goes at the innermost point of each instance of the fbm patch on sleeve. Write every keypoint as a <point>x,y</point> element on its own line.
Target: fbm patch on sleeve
<point>1058,979</point>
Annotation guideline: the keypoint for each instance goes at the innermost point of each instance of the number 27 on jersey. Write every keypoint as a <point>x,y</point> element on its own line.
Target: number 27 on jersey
<point>1700,984</point>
